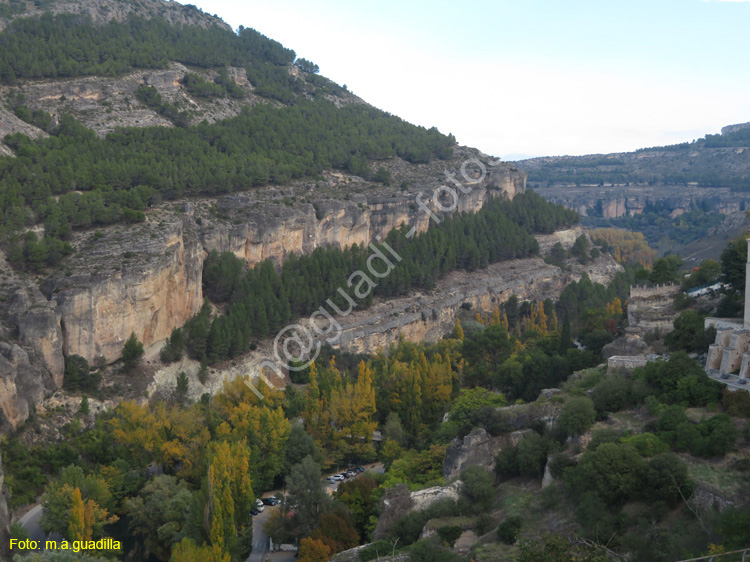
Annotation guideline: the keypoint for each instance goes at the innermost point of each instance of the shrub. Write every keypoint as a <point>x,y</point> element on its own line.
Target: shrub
<point>478,487</point>
<point>375,550</point>
<point>578,414</point>
<point>509,529</point>
<point>450,533</point>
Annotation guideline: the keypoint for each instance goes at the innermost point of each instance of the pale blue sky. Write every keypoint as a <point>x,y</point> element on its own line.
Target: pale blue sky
<point>530,77</point>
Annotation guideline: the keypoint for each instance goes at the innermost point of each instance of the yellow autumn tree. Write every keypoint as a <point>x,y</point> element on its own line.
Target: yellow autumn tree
<point>614,308</point>
<point>313,550</point>
<point>188,551</point>
<point>458,331</point>
<point>86,518</point>
<point>266,431</point>
<point>77,520</point>
<point>229,492</point>
<point>352,409</point>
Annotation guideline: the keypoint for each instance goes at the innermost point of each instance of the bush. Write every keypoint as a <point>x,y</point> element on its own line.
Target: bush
<point>509,529</point>
<point>449,534</point>
<point>614,471</point>
<point>578,414</point>
<point>478,488</point>
<point>611,394</point>
<point>424,551</point>
<point>531,456</point>
<point>375,550</point>
<point>736,403</point>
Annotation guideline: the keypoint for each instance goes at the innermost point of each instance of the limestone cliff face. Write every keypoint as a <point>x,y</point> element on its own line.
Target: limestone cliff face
<point>103,11</point>
<point>618,201</point>
<point>146,280</point>
<point>428,316</point>
<point>38,324</point>
<point>256,229</point>
<point>4,516</point>
<point>22,384</point>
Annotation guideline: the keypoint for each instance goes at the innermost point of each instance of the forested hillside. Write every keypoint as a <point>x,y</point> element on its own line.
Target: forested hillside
<point>712,161</point>
<point>262,301</point>
<point>74,179</point>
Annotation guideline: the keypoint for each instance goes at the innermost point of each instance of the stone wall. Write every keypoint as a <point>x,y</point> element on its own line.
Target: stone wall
<point>627,362</point>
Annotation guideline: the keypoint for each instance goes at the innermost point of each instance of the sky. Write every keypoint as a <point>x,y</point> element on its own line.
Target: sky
<point>521,78</point>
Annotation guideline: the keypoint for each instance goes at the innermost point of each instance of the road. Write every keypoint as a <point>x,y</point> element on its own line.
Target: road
<point>261,551</point>
<point>260,539</point>
<point>30,522</point>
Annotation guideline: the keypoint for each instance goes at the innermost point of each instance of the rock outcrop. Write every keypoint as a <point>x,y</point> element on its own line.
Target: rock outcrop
<point>145,280</point>
<point>103,11</point>
<point>22,384</point>
<point>428,316</point>
<point>477,448</point>
<point>617,201</point>
<point>38,323</point>
<point>4,516</point>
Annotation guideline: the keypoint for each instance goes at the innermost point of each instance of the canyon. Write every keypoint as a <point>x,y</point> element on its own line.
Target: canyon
<point>615,201</point>
<point>146,278</point>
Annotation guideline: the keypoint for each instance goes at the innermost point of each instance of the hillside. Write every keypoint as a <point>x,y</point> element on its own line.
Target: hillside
<point>712,161</point>
<point>224,277</point>
<point>675,195</point>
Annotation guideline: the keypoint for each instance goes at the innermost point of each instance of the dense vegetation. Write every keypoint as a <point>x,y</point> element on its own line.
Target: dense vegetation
<point>263,300</point>
<point>117,178</point>
<point>660,230</point>
<point>627,475</point>
<point>67,45</point>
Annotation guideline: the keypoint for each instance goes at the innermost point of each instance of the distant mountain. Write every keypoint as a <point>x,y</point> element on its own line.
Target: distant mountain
<point>713,161</point>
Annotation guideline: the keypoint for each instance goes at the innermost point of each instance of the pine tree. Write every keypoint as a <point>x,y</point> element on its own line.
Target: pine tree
<point>83,409</point>
<point>203,371</point>
<point>132,353</point>
<point>565,336</point>
<point>182,387</point>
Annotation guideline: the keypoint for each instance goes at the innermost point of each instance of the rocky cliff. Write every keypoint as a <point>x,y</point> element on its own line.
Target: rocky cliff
<point>146,278</point>
<point>4,516</point>
<point>617,201</point>
<point>103,11</point>
<point>428,316</point>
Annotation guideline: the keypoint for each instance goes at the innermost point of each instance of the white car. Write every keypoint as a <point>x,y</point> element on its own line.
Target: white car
<point>338,477</point>
<point>259,505</point>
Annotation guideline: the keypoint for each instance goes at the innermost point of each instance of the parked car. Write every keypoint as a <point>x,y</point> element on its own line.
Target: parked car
<point>344,475</point>
<point>331,479</point>
<point>351,473</point>
<point>360,469</point>
<point>338,477</point>
<point>254,512</point>
<point>259,505</point>
<point>270,501</point>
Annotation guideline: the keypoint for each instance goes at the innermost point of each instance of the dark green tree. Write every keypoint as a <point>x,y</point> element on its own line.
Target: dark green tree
<point>132,353</point>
